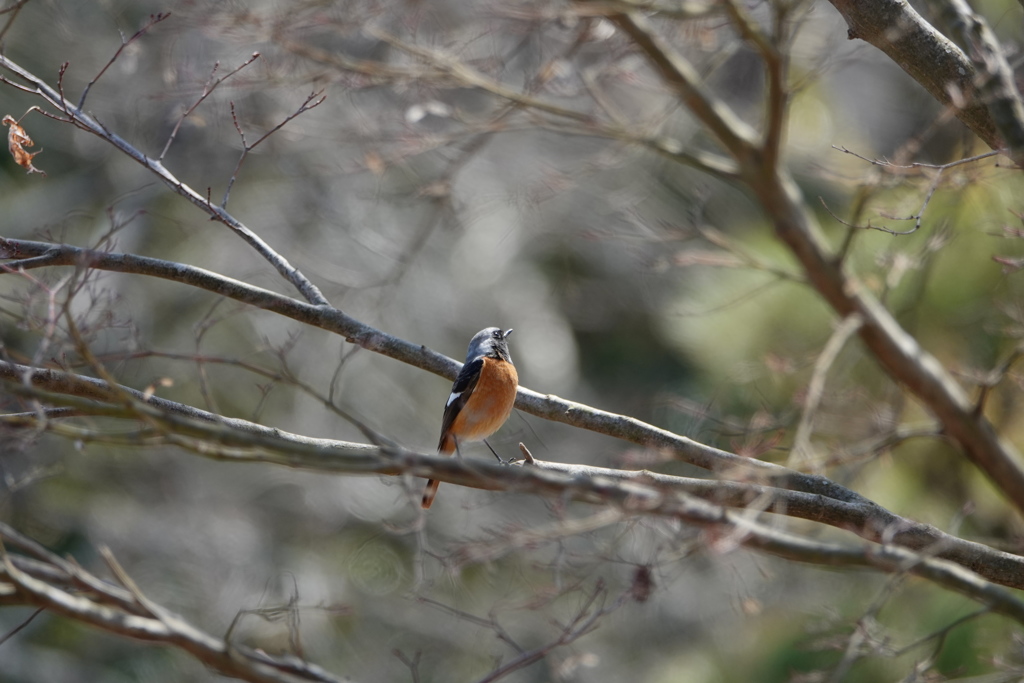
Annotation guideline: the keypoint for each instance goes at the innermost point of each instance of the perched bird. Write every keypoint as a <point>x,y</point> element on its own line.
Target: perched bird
<point>481,399</point>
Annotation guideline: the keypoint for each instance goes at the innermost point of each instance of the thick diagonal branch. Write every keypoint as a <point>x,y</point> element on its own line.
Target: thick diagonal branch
<point>781,200</point>
<point>896,350</point>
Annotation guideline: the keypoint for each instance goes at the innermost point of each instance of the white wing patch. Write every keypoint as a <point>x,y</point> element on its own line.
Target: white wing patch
<point>451,399</point>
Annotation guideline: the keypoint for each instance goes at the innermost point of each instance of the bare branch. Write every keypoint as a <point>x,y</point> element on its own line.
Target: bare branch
<point>313,100</point>
<point>775,67</point>
<point>356,332</point>
<point>921,370</point>
<point>55,585</point>
<point>930,58</point>
<point>70,373</point>
<point>102,398</point>
<point>783,203</point>
<point>154,19</point>
<point>735,135</point>
<point>13,11</point>
<point>239,440</point>
<point>208,89</point>
<point>802,453</point>
<point>566,121</point>
<point>585,621</point>
<point>898,352</point>
<point>87,123</point>
<point>997,88</point>
<point>894,168</point>
<point>986,100</point>
<point>894,559</point>
<point>461,72</point>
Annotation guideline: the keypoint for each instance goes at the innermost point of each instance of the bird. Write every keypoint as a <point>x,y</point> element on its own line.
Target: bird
<point>482,397</point>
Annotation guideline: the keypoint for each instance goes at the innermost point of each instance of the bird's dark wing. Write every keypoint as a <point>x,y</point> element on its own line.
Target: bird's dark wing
<point>461,391</point>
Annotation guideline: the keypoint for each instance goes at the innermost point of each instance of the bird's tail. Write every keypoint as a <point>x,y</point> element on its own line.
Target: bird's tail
<point>430,492</point>
<point>446,447</point>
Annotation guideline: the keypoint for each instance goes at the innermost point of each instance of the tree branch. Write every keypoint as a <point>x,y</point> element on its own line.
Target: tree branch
<point>997,89</point>
<point>57,585</point>
<point>87,123</point>
<point>731,131</point>
<point>333,320</point>
<point>781,199</point>
<point>233,439</point>
<point>929,57</point>
<point>896,350</point>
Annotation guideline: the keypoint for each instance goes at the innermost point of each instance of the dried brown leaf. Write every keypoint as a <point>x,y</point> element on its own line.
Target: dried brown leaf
<point>17,141</point>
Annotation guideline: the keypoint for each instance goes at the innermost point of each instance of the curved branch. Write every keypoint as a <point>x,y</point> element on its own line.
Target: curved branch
<point>563,120</point>
<point>734,134</point>
<point>65,384</point>
<point>731,529</point>
<point>547,406</point>
<point>239,440</point>
<point>895,349</point>
<point>57,585</point>
<point>87,123</point>
<point>891,559</point>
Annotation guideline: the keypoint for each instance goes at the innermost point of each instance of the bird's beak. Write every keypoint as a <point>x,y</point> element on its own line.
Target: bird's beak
<point>507,332</point>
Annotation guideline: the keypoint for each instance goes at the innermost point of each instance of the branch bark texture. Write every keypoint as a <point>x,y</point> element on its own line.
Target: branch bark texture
<point>943,69</point>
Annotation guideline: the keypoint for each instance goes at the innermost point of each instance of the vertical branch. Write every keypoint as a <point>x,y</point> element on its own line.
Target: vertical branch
<point>802,453</point>
<point>775,64</point>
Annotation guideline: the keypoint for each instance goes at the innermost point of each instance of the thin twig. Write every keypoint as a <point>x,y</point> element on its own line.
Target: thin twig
<point>56,585</point>
<point>583,622</point>
<point>86,122</point>
<point>313,100</point>
<point>775,64</point>
<point>932,187</point>
<point>154,19</point>
<point>13,11</point>
<point>208,89</point>
<point>802,453</point>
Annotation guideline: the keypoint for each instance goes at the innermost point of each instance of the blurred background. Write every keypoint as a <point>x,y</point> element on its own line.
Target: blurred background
<point>431,209</point>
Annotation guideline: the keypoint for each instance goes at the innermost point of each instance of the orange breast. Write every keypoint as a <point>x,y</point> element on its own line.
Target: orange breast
<point>490,404</point>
